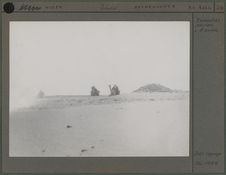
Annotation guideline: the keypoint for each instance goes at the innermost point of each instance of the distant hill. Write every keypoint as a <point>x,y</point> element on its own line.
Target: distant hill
<point>153,88</point>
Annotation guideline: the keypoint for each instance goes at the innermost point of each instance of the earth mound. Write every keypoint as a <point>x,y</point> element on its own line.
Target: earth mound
<point>153,88</point>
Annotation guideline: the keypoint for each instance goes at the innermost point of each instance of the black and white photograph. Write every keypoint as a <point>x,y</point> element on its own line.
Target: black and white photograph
<point>99,88</point>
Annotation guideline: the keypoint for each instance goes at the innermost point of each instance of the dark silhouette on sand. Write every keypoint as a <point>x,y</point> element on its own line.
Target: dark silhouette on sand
<point>114,90</point>
<point>94,91</point>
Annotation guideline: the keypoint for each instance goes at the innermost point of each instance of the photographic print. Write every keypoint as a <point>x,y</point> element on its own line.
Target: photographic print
<point>99,88</point>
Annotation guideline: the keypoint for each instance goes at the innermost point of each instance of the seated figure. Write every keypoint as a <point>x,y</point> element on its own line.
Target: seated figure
<point>114,90</point>
<point>94,91</point>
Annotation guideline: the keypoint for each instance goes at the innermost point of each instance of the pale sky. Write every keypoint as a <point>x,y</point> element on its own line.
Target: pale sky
<point>67,58</point>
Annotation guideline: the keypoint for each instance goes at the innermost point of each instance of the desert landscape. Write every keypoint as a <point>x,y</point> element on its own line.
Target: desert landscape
<point>150,121</point>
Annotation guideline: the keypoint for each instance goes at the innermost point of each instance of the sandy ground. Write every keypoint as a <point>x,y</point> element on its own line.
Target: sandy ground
<point>127,125</point>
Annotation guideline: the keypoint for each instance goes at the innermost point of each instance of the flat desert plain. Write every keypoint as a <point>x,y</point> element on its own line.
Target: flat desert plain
<point>135,124</point>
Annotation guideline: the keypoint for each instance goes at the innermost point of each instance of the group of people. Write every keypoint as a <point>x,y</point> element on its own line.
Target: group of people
<point>113,91</point>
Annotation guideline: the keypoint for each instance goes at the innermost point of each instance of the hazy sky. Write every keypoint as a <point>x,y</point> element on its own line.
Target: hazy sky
<point>63,58</point>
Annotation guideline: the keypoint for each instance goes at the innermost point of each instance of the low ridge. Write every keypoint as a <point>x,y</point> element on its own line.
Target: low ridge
<point>153,88</point>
